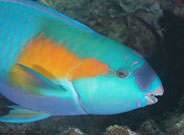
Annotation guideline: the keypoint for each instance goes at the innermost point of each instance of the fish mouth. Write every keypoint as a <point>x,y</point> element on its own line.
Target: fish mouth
<point>151,97</point>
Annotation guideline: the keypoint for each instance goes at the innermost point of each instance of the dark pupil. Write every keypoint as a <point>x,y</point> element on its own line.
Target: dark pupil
<point>121,74</point>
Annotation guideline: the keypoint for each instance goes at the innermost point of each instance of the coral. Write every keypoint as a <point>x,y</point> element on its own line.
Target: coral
<point>149,127</point>
<point>14,129</point>
<point>72,8</point>
<point>149,10</point>
<point>131,6</point>
<point>48,3</point>
<point>142,17</point>
<point>175,124</point>
<point>140,36</point>
<point>116,30</point>
<point>174,6</point>
<point>119,130</point>
<point>73,131</point>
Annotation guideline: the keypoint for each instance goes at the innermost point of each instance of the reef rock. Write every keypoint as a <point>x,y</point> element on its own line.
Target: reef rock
<point>119,130</point>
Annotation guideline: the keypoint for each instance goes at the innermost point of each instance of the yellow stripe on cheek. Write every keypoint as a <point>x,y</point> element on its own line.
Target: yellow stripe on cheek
<point>58,61</point>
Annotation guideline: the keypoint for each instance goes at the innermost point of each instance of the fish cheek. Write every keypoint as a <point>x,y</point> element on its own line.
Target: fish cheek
<point>107,95</point>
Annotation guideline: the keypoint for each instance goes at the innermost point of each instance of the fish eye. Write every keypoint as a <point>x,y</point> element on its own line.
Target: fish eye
<point>121,74</point>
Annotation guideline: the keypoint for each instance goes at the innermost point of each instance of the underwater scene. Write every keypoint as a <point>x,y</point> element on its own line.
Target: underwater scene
<point>91,67</point>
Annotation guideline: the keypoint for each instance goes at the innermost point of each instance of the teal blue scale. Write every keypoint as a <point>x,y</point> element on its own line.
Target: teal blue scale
<point>17,27</point>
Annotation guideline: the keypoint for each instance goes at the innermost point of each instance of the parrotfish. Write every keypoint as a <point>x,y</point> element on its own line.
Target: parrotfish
<point>52,65</point>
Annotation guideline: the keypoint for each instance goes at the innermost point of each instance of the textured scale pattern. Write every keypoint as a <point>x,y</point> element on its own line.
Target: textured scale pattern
<point>16,29</point>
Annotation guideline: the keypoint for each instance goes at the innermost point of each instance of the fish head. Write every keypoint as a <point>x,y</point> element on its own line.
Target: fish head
<point>132,85</point>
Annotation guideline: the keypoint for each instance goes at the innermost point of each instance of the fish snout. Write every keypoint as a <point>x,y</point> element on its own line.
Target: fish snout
<point>151,97</point>
<point>145,76</point>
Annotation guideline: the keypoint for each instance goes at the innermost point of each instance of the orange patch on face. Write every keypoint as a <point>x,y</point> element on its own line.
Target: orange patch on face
<point>53,61</point>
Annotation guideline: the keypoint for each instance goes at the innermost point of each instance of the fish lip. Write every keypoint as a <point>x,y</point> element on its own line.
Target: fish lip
<point>159,91</point>
<point>151,97</point>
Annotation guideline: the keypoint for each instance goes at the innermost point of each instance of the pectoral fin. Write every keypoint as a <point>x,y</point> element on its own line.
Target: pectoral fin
<point>39,80</point>
<point>33,82</point>
<point>22,115</point>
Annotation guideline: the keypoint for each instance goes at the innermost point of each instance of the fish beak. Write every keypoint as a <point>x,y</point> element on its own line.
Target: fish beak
<point>151,97</point>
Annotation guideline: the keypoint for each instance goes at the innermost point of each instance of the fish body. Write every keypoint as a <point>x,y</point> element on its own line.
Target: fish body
<point>51,64</point>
